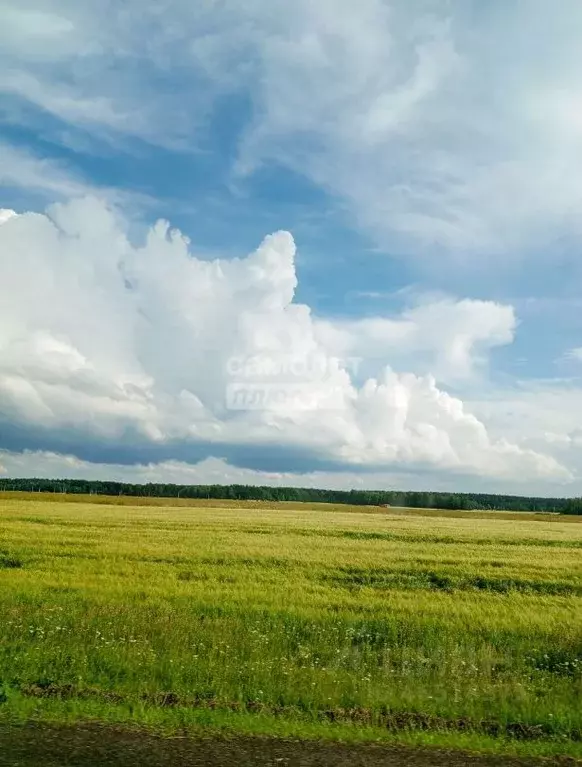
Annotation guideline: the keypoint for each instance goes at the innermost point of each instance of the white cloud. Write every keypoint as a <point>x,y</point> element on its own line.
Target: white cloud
<point>108,73</point>
<point>211,470</point>
<point>64,102</point>
<point>432,134</point>
<point>141,344</point>
<point>6,214</point>
<point>20,168</point>
<point>535,414</point>
<point>39,32</point>
<point>43,179</point>
<point>451,338</point>
<point>574,355</point>
<point>441,145</point>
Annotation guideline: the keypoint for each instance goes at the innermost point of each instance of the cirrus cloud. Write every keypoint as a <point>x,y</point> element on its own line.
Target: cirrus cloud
<point>441,127</point>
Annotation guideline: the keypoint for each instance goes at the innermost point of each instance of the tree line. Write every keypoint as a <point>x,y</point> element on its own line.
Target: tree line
<point>415,499</point>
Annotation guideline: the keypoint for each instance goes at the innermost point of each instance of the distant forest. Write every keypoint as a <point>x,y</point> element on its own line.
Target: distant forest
<point>417,500</point>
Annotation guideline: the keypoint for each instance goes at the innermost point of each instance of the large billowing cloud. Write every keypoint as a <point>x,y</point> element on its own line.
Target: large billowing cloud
<point>115,345</point>
<point>451,338</point>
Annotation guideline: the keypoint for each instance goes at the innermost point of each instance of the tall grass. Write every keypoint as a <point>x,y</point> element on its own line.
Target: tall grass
<point>393,621</point>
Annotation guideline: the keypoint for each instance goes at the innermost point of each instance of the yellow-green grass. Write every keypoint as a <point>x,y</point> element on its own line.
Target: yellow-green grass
<point>426,628</point>
<point>225,503</point>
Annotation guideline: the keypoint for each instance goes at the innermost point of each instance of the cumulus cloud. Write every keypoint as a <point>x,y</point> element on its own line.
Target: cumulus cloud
<point>449,337</point>
<point>110,342</point>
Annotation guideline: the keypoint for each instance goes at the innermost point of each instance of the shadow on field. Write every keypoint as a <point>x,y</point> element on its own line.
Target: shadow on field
<point>96,746</point>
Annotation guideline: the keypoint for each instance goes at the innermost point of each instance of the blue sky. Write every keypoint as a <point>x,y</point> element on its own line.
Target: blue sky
<point>416,169</point>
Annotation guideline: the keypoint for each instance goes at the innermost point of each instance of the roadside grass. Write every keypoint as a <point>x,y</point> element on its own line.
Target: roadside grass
<point>442,629</point>
<point>219,724</point>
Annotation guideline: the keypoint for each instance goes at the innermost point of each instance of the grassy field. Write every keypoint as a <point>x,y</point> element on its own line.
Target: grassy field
<point>458,630</point>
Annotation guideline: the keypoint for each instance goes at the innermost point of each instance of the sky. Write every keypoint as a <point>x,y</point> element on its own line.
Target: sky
<point>327,243</point>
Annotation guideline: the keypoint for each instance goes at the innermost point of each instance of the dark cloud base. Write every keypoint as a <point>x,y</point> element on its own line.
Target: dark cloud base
<point>128,451</point>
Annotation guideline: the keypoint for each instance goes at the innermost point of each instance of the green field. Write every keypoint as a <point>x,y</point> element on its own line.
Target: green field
<point>458,630</point>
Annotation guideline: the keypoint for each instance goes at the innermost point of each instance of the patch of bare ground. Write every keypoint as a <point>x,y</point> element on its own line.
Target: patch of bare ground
<point>105,746</point>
